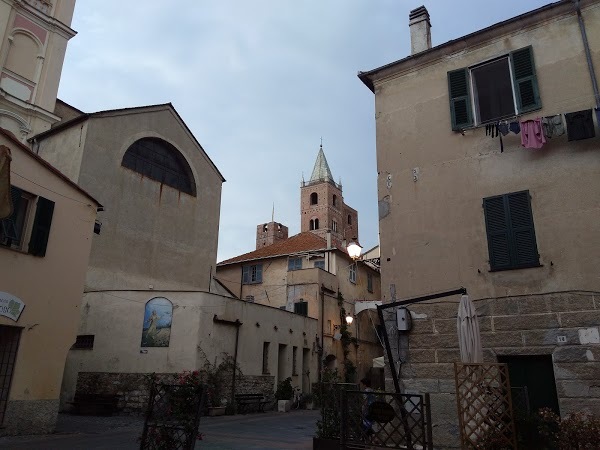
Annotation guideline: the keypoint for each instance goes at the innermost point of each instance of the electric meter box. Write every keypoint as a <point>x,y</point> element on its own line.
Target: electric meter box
<point>403,319</point>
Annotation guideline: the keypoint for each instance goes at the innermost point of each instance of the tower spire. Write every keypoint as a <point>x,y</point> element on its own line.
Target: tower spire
<point>321,171</point>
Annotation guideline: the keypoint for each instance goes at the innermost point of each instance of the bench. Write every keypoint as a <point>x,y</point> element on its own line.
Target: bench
<point>249,402</point>
<point>95,404</point>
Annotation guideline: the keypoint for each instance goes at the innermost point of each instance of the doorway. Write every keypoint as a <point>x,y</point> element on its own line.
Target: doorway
<point>534,376</point>
<point>282,372</point>
<point>305,370</point>
<point>9,345</point>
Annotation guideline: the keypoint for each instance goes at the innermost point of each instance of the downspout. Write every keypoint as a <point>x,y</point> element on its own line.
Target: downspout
<point>588,55</point>
<point>237,324</point>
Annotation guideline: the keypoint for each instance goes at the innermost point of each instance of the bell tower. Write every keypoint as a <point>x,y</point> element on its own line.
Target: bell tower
<point>322,206</point>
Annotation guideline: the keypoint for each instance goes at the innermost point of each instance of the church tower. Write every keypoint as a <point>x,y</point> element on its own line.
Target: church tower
<point>269,233</point>
<point>322,207</point>
<point>34,37</point>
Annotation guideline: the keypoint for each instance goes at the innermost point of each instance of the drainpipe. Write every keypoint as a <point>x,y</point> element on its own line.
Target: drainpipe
<point>588,55</point>
<point>237,324</point>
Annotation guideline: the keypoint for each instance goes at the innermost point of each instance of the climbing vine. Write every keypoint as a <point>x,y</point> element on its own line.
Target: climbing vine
<point>346,340</point>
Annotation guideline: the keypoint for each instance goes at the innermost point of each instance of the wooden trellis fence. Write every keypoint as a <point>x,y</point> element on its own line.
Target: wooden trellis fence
<point>483,397</point>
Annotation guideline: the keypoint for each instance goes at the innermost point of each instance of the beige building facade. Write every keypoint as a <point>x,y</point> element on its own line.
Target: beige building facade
<point>34,35</point>
<point>44,249</point>
<point>517,227</point>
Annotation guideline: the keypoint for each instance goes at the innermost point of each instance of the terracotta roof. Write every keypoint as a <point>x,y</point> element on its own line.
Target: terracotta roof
<point>7,134</point>
<point>301,242</point>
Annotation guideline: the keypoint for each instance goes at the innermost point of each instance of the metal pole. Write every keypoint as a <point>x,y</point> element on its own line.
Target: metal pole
<point>588,56</point>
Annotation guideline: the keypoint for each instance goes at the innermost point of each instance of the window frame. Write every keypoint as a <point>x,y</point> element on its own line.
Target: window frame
<point>524,83</point>
<point>504,223</point>
<point>301,308</point>
<point>252,273</point>
<point>294,263</point>
<point>314,198</point>
<point>318,264</point>
<point>352,272</point>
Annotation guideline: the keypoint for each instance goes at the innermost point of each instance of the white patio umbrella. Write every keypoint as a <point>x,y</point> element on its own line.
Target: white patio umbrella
<point>469,337</point>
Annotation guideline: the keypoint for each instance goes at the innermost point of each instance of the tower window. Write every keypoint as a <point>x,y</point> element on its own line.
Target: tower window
<point>349,219</point>
<point>334,225</point>
<point>160,161</point>
<point>314,198</point>
<point>314,224</point>
<point>335,200</point>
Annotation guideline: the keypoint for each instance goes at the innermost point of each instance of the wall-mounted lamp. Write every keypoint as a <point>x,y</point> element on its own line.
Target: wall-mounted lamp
<point>349,319</point>
<point>354,250</point>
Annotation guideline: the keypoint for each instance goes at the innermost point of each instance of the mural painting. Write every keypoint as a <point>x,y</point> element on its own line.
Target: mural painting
<point>156,331</point>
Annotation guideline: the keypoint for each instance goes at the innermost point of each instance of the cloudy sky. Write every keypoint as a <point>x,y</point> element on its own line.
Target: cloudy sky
<point>259,83</point>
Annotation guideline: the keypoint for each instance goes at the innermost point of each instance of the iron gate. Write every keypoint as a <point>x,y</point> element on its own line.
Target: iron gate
<point>385,420</point>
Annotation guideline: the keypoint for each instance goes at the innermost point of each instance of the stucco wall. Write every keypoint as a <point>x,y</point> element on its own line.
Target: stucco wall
<point>115,319</point>
<point>148,228</point>
<point>51,288</point>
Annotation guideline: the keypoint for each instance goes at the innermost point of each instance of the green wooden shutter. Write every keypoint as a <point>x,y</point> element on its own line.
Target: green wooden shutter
<point>525,251</point>
<point>301,308</point>
<point>460,99</point>
<point>498,236</point>
<point>525,80</point>
<point>41,227</point>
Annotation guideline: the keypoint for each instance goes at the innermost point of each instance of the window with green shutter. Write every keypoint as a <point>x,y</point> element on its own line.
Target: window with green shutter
<point>510,231</point>
<point>301,308</point>
<point>40,231</point>
<point>493,90</point>
<point>252,274</point>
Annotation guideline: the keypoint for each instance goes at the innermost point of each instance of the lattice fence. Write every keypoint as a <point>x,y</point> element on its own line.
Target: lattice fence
<point>483,396</point>
<point>173,417</point>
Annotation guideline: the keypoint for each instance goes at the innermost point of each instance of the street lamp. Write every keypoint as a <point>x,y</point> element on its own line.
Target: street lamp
<point>349,319</point>
<point>354,250</point>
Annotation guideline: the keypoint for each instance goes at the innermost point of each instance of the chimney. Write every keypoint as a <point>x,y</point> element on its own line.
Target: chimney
<point>420,30</point>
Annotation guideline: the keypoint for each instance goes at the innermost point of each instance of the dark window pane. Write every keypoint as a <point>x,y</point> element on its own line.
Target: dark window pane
<point>493,90</point>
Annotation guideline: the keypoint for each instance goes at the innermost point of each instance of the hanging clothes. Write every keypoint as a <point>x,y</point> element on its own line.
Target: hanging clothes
<point>580,125</point>
<point>514,127</point>
<point>532,134</point>
<point>553,126</point>
<point>503,128</point>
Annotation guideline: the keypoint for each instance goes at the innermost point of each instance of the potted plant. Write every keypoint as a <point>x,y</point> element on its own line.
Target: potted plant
<point>307,401</point>
<point>284,394</point>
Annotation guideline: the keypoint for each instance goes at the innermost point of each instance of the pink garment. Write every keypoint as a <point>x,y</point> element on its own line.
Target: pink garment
<point>532,133</point>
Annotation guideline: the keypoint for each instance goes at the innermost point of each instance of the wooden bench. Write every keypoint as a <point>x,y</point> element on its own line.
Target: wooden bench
<point>95,404</point>
<point>250,402</point>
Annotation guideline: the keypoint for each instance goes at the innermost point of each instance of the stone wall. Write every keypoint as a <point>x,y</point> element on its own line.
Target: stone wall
<point>29,417</point>
<point>523,325</point>
<point>133,389</point>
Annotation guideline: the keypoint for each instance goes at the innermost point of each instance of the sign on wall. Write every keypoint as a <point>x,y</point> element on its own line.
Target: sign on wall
<point>10,306</point>
<point>156,330</point>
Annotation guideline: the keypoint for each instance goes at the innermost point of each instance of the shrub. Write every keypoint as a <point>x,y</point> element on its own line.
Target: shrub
<point>577,431</point>
<point>285,391</point>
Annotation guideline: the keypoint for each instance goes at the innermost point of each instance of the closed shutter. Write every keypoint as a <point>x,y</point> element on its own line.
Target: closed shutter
<point>523,231</point>
<point>301,308</point>
<point>245,274</point>
<point>525,80</point>
<point>496,222</point>
<point>460,99</point>
<point>510,231</point>
<point>41,227</point>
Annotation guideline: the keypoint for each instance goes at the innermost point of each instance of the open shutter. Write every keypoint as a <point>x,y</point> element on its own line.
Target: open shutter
<point>259,273</point>
<point>498,236</point>
<point>245,274</point>
<point>523,231</point>
<point>525,80</point>
<point>41,227</point>
<point>9,229</point>
<point>460,99</point>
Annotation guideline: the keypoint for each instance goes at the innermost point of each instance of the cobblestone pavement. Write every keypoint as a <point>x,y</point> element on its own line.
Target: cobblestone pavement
<point>271,430</point>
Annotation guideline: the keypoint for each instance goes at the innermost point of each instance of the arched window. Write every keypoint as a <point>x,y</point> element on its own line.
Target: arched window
<point>314,198</point>
<point>160,161</point>
<point>335,200</point>
<point>316,224</point>
<point>349,219</point>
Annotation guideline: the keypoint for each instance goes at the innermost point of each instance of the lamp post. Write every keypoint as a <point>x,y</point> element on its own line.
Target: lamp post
<point>349,319</point>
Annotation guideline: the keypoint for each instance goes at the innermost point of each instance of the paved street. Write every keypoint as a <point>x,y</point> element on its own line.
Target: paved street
<point>269,430</point>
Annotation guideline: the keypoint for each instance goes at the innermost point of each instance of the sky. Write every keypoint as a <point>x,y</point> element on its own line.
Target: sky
<point>259,83</point>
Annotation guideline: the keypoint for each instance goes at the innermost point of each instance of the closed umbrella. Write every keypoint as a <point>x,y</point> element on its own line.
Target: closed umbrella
<point>469,338</point>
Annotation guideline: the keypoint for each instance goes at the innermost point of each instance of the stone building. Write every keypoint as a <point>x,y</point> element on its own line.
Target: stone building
<point>322,207</point>
<point>34,37</point>
<point>45,244</point>
<point>517,227</point>
<point>311,273</point>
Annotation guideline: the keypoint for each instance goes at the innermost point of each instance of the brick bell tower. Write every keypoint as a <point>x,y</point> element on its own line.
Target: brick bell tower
<point>322,206</point>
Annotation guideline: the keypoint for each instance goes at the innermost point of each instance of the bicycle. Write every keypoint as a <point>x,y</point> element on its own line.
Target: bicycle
<point>297,400</point>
